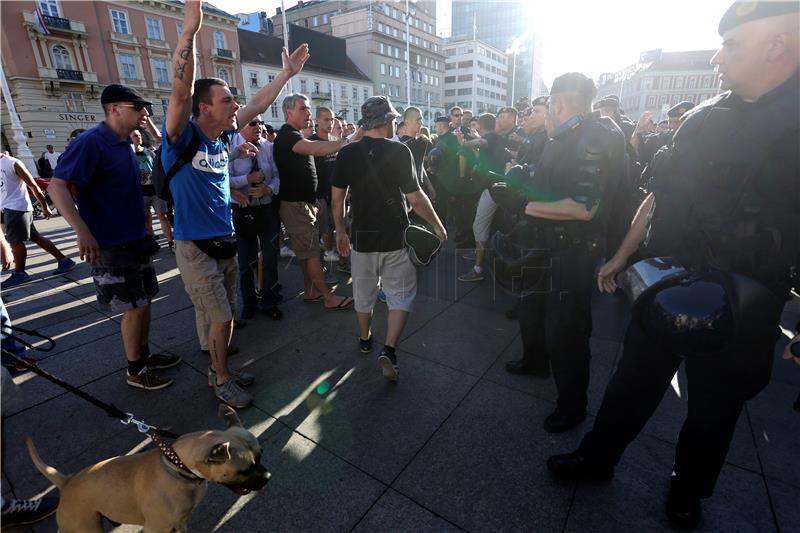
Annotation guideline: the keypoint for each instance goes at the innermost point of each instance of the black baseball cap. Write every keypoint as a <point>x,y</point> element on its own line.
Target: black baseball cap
<point>119,93</point>
<point>541,100</point>
<point>446,120</point>
<point>679,109</point>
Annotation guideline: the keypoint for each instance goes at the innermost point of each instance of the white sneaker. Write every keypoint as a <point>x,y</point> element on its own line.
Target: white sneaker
<point>331,255</point>
<point>286,251</point>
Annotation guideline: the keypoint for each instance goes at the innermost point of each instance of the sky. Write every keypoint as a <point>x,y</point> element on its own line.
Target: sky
<point>589,36</point>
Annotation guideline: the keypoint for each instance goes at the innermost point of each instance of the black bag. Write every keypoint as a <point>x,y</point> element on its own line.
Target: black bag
<point>250,221</point>
<point>218,247</point>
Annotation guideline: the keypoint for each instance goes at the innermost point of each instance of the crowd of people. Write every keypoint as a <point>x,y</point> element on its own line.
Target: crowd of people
<point>555,196</point>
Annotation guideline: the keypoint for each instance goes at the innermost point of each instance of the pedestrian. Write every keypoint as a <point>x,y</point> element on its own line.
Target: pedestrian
<point>109,223</point>
<point>51,156</point>
<point>574,183</point>
<point>205,110</point>
<point>726,209</point>
<point>381,177</point>
<point>15,201</point>
<point>324,166</point>
<point>145,157</point>
<point>294,155</point>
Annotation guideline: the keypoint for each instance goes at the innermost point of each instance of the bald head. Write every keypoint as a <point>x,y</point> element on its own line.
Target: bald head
<point>758,56</point>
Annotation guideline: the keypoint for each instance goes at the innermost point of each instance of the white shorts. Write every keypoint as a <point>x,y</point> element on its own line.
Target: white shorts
<point>393,270</point>
<point>482,225</point>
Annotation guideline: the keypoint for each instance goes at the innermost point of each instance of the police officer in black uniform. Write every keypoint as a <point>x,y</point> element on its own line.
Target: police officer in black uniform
<point>727,206</point>
<point>535,133</point>
<point>609,106</point>
<point>575,178</point>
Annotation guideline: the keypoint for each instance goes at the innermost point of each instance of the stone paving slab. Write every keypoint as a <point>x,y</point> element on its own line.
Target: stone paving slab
<point>395,512</point>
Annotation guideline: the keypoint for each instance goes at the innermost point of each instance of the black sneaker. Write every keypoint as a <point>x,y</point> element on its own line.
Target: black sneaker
<point>388,364</point>
<point>160,361</point>
<point>22,512</point>
<point>366,345</point>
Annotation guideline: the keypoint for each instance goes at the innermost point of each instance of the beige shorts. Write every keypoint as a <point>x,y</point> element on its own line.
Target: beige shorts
<point>210,283</point>
<point>300,219</point>
<point>393,270</point>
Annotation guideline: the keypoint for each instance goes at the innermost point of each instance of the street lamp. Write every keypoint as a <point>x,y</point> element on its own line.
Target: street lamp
<point>515,48</point>
<point>409,13</point>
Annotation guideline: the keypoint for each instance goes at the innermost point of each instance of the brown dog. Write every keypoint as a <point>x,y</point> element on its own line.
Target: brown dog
<point>146,489</point>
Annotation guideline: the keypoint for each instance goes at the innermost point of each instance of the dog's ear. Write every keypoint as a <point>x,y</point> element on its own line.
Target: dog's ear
<point>229,415</point>
<point>220,453</point>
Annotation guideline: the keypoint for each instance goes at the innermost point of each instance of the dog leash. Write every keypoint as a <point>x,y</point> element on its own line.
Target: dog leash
<point>110,409</point>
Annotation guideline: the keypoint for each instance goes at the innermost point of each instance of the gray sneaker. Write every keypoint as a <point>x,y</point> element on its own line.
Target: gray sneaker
<point>243,379</point>
<point>472,275</point>
<point>389,366</point>
<point>231,393</point>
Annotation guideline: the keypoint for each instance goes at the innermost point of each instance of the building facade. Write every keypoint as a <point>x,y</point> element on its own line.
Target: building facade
<point>476,76</point>
<point>57,70</point>
<point>377,40</point>
<point>507,26</point>
<point>666,79</point>
<point>343,89</point>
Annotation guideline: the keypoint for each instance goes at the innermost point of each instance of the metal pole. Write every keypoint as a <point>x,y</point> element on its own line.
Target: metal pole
<point>513,73</point>
<point>289,86</point>
<point>408,59</point>
<point>429,110</point>
<point>24,153</point>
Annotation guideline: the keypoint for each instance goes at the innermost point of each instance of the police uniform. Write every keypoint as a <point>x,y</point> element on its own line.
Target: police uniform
<point>583,161</point>
<point>726,204</point>
<point>654,142</point>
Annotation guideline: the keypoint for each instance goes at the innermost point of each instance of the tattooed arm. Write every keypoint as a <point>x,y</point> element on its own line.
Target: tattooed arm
<point>180,101</point>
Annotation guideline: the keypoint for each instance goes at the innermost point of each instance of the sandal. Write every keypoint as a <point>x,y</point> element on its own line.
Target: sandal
<point>346,303</point>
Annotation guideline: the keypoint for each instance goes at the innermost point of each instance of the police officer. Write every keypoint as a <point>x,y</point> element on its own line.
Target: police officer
<point>533,124</point>
<point>609,106</point>
<point>577,174</point>
<point>726,209</point>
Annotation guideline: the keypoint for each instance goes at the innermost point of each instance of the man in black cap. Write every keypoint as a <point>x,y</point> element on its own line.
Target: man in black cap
<point>382,178</point>
<point>609,106</point>
<point>578,175</point>
<point>110,226</point>
<point>725,205</point>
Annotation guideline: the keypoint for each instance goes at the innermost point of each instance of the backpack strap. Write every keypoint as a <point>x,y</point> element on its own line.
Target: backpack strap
<point>187,154</point>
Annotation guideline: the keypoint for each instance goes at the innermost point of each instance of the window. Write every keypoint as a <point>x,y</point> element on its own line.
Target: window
<point>271,78</point>
<point>706,81</point>
<point>387,9</point>
<point>397,53</point>
<point>164,106</point>
<point>161,70</point>
<point>449,92</point>
<point>449,79</point>
<point>355,93</point>
<point>128,64</point>
<point>179,28</point>
<point>253,79</point>
<point>383,48</point>
<point>383,68</point>
<point>383,88</point>
<point>316,87</point>
<point>49,7</point>
<point>119,20</point>
<point>224,75</point>
<point>154,29</point>
<point>366,93</point>
<point>219,39</point>
<point>325,18</point>
<point>394,32</point>
<point>678,84</point>
<point>665,82</point>
<point>61,58</point>
<point>273,110</point>
<point>73,103</point>
<point>380,27</point>
<point>315,21</point>
<point>394,13</point>
<point>343,91</point>
<point>692,82</point>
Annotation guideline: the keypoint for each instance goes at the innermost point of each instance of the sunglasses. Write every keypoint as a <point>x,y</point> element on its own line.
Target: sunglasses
<point>255,123</point>
<point>138,106</point>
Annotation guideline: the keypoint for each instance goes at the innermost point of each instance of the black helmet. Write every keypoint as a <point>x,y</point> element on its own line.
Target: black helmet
<point>696,313</point>
<point>520,267</point>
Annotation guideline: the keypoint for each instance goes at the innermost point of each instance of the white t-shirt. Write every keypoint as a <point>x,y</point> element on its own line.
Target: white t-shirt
<point>13,191</point>
<point>52,158</point>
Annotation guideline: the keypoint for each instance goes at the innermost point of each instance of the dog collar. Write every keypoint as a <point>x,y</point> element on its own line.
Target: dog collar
<point>170,456</point>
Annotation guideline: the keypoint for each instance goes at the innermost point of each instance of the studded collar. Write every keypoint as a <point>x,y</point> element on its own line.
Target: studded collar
<point>170,457</point>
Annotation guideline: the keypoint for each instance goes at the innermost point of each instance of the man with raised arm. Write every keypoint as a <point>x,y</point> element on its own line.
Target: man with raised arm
<point>206,110</point>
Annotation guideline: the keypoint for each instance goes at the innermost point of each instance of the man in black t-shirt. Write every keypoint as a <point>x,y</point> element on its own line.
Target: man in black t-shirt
<point>324,165</point>
<point>419,145</point>
<point>294,156</point>
<point>382,179</point>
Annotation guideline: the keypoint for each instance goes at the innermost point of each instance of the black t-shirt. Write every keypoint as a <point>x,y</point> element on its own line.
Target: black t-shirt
<point>379,208</point>
<point>324,166</point>
<point>419,147</point>
<point>298,173</point>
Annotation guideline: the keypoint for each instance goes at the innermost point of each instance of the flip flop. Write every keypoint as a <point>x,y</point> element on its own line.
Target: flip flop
<point>312,300</point>
<point>347,303</point>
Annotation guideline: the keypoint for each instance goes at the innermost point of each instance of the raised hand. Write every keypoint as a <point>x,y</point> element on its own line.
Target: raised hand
<point>293,64</point>
<point>244,150</point>
<point>192,16</point>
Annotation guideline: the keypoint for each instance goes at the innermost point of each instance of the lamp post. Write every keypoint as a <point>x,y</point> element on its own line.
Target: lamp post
<point>23,151</point>
<point>290,85</point>
<point>408,55</point>
<point>513,73</point>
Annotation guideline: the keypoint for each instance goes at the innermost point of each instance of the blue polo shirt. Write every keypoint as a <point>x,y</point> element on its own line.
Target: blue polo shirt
<point>105,173</point>
<point>199,189</point>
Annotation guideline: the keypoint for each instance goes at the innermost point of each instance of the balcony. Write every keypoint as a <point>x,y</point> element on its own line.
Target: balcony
<point>157,43</point>
<point>223,53</point>
<point>64,74</point>
<point>67,75</point>
<point>55,24</point>
<point>123,38</point>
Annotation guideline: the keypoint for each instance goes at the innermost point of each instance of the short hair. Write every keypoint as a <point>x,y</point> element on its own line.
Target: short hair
<point>486,121</point>
<point>508,110</point>
<point>288,102</point>
<point>202,92</point>
<point>469,111</point>
<point>322,109</point>
<point>455,107</point>
<point>402,124</point>
<point>410,110</point>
